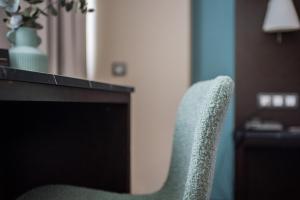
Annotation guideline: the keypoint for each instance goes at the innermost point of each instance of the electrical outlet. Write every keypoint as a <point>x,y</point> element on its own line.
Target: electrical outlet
<point>291,100</point>
<point>119,69</point>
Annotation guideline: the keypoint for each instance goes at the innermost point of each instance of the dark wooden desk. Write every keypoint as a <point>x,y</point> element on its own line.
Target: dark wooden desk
<point>267,165</point>
<point>59,130</point>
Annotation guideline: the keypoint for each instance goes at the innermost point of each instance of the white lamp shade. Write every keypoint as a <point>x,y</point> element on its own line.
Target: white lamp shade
<point>281,16</point>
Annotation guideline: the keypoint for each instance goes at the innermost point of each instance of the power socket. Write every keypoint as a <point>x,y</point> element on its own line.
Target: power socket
<point>291,100</point>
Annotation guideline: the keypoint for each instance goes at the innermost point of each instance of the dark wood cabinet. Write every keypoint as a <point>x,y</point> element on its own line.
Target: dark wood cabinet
<point>267,165</point>
<point>59,130</point>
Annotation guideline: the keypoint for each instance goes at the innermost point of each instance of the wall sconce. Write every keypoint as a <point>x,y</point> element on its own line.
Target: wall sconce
<point>281,17</point>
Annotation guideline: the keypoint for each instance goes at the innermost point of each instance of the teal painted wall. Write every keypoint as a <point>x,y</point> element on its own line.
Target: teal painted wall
<point>214,54</point>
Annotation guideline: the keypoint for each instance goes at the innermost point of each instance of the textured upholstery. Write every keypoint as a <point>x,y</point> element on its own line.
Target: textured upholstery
<point>197,127</point>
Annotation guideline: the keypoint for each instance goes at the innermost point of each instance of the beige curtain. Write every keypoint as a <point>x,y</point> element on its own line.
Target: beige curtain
<point>64,40</point>
<point>66,44</point>
<point>4,44</point>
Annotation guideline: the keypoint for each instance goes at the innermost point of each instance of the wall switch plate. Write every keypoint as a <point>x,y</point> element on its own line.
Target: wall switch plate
<point>268,100</point>
<point>119,68</point>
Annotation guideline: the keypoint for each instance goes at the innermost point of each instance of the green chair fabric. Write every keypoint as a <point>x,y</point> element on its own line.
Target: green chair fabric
<point>198,123</point>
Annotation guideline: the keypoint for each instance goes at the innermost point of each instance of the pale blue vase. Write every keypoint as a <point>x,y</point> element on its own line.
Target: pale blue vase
<point>24,53</point>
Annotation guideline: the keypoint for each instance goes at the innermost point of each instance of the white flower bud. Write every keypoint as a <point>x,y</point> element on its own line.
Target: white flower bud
<point>16,21</point>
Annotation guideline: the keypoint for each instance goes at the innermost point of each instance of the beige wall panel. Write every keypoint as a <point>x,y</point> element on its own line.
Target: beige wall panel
<point>153,38</point>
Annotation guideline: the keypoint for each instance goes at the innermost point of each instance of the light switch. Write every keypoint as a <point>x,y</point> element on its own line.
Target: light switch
<point>264,100</point>
<point>277,101</point>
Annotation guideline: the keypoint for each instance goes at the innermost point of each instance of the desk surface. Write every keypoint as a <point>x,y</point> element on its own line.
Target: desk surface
<point>19,85</point>
<point>12,74</point>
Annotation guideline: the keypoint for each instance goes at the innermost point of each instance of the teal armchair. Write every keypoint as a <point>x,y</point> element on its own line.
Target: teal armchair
<point>198,125</point>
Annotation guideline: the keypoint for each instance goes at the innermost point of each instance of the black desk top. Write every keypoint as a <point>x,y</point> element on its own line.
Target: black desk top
<point>12,74</point>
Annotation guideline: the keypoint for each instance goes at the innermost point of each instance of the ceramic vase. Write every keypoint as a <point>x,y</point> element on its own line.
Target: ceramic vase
<point>24,53</point>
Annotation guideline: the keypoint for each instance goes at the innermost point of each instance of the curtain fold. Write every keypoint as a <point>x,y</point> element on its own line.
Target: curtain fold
<point>4,44</point>
<point>66,44</point>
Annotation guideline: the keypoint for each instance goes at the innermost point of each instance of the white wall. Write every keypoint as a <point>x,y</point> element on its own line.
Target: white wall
<point>153,38</point>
